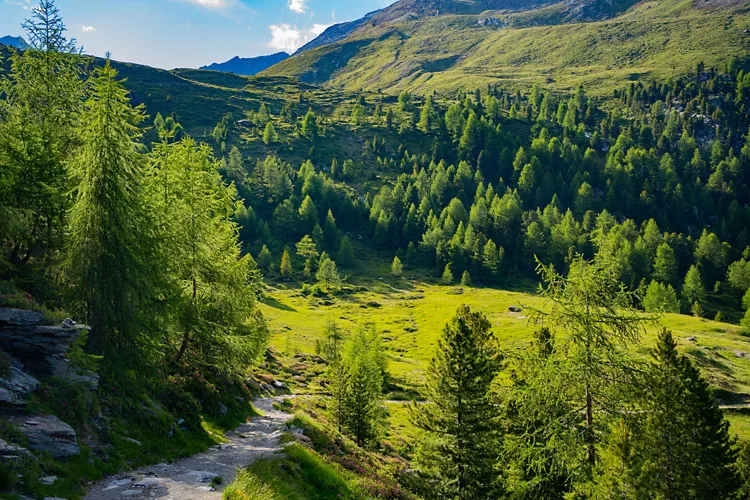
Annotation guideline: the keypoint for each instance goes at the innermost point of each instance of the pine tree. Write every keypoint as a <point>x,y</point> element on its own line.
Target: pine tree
<point>460,448</point>
<point>308,215</point>
<point>332,351</point>
<point>285,269</point>
<point>466,279</point>
<point>307,249</point>
<point>108,253</point>
<point>426,115</point>
<point>661,298</point>
<point>397,268</point>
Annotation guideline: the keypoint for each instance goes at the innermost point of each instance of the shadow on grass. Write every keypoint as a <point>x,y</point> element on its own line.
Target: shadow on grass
<point>272,302</point>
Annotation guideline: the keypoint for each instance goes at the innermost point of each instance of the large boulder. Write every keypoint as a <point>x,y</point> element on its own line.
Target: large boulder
<point>41,348</point>
<point>15,389</point>
<point>48,434</point>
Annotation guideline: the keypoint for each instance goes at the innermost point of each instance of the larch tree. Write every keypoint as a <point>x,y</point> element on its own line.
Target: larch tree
<point>110,237</point>
<point>592,311</point>
<point>217,322</point>
<point>41,97</point>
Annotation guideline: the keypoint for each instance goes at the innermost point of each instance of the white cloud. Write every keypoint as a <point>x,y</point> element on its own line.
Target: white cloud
<point>88,29</point>
<point>298,6</point>
<point>25,4</point>
<point>211,4</point>
<point>289,38</point>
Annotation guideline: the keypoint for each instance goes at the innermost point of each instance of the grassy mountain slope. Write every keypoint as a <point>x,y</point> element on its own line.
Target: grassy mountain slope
<point>450,52</point>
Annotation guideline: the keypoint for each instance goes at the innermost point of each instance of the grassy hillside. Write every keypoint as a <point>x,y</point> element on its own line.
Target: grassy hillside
<point>446,53</point>
<point>410,313</point>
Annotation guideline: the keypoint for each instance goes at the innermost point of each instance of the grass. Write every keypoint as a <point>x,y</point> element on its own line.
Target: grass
<point>412,311</point>
<point>300,474</point>
<point>448,53</point>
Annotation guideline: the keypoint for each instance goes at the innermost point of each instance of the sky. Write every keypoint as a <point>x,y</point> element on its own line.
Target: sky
<point>191,33</point>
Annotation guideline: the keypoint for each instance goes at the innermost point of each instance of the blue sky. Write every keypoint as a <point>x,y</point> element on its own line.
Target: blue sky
<point>191,33</point>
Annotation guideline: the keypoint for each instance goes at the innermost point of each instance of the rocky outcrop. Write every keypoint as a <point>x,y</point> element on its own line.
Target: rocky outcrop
<point>15,389</point>
<point>48,434</point>
<point>41,348</point>
<point>10,451</point>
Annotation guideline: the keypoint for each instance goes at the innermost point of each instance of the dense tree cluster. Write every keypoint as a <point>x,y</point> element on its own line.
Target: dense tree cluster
<point>575,415</point>
<point>141,245</point>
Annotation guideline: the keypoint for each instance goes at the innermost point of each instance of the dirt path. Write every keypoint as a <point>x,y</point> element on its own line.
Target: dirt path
<point>191,478</point>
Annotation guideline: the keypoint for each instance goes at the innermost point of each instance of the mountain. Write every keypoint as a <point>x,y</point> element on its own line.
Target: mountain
<point>247,66</point>
<point>445,45</point>
<point>14,41</point>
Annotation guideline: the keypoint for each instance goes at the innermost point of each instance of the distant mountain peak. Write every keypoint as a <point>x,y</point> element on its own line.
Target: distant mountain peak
<point>14,41</point>
<point>247,66</point>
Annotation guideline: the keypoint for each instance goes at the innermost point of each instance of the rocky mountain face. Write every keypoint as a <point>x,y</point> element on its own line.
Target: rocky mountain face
<point>14,41</point>
<point>247,66</point>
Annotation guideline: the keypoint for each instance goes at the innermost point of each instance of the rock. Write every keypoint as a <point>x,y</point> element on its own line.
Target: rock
<point>147,482</point>
<point>19,317</point>
<point>14,390</point>
<point>54,498</point>
<point>131,440</point>
<point>48,434</point>
<point>279,384</point>
<point>68,323</point>
<point>691,339</point>
<point>515,309</point>
<point>8,450</point>
<point>222,409</point>
<point>131,493</point>
<point>39,347</point>
<point>202,476</point>
<point>48,480</point>
<point>117,483</point>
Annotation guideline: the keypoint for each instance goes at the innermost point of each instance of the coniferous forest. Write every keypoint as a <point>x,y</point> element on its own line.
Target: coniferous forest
<point>510,290</point>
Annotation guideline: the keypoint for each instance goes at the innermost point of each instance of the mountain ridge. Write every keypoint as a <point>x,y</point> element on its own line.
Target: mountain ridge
<point>247,66</point>
<point>14,41</point>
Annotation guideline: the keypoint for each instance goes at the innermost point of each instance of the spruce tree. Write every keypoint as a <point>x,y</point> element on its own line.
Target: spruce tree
<point>363,414</point>
<point>684,439</point>
<point>460,447</point>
